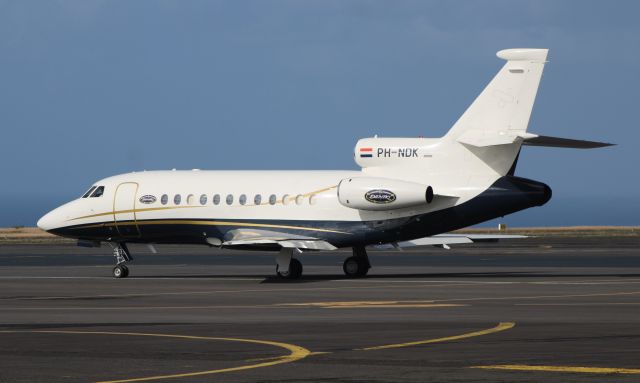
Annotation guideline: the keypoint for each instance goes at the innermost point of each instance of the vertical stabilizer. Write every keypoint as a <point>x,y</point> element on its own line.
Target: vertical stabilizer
<point>499,116</point>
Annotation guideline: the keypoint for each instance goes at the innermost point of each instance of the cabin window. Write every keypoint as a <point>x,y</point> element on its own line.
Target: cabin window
<point>216,199</point>
<point>203,199</point>
<point>272,199</point>
<point>176,199</point>
<point>243,199</point>
<point>190,199</point>
<point>98,192</point>
<point>164,199</point>
<point>229,199</point>
<point>85,195</point>
<point>299,199</point>
<point>257,199</point>
<point>285,199</point>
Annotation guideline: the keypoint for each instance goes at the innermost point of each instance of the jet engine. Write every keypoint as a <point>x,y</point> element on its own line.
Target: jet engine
<point>374,193</point>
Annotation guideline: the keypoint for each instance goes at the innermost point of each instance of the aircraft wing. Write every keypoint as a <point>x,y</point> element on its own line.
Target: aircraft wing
<point>444,240</point>
<point>267,239</point>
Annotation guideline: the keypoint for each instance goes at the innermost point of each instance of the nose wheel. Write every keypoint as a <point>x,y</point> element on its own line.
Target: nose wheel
<point>120,271</point>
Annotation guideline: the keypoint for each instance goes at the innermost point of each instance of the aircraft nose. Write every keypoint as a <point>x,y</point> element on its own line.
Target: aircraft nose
<point>47,221</point>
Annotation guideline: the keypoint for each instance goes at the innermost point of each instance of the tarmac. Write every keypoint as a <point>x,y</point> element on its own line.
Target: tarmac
<point>533,310</point>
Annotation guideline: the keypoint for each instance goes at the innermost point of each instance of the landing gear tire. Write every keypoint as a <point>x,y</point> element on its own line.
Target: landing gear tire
<point>120,271</point>
<point>294,272</point>
<point>355,267</point>
<point>122,255</point>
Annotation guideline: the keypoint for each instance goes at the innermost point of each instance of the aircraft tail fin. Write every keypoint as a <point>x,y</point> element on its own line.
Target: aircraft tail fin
<point>495,124</point>
<point>505,105</point>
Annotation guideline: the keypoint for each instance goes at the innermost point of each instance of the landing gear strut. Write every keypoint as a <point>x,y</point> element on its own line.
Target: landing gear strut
<point>288,267</point>
<point>122,255</point>
<point>357,265</point>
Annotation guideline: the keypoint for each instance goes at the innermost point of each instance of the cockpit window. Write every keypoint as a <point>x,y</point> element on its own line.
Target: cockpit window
<point>85,195</point>
<point>99,192</point>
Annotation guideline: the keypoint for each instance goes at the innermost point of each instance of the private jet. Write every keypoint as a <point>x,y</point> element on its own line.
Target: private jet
<point>408,191</point>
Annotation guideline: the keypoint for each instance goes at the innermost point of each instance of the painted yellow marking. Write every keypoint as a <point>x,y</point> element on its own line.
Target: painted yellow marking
<point>133,211</point>
<point>372,304</point>
<point>276,357</point>
<point>291,198</point>
<point>502,326</point>
<point>207,223</point>
<point>348,303</point>
<point>539,297</point>
<point>581,304</point>
<point>395,306</point>
<point>295,352</point>
<point>576,369</point>
<point>191,206</point>
<point>317,191</point>
<point>264,359</point>
<point>297,289</point>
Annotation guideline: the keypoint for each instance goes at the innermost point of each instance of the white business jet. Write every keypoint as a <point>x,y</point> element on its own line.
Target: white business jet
<point>409,192</point>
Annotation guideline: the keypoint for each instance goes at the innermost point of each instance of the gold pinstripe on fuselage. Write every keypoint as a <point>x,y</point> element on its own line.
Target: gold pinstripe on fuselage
<point>280,201</point>
<point>206,223</point>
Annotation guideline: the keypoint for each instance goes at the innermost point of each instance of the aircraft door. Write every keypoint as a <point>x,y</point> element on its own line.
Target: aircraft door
<point>124,205</point>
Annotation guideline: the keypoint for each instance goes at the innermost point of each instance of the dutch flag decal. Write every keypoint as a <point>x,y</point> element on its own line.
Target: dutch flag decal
<point>366,152</point>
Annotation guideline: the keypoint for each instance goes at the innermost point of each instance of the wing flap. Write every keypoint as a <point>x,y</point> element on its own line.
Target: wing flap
<point>261,239</point>
<point>444,240</point>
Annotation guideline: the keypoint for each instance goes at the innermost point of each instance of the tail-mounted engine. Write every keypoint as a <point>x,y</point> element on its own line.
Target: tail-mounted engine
<point>374,193</point>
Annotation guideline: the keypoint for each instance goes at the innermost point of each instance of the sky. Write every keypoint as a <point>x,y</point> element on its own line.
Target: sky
<point>90,89</point>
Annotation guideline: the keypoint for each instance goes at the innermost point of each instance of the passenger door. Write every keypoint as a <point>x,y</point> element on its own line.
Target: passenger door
<point>124,205</point>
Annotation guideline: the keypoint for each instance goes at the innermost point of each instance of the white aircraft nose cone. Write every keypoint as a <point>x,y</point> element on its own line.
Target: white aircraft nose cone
<point>47,222</point>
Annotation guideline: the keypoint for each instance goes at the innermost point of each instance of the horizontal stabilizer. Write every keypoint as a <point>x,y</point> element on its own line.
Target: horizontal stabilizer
<point>557,142</point>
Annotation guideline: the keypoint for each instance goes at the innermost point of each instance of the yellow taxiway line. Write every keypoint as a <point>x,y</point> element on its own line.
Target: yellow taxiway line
<point>574,369</point>
<point>395,306</point>
<point>295,352</point>
<point>371,304</point>
<point>502,326</point>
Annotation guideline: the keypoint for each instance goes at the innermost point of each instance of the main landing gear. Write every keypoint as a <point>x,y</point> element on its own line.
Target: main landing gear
<point>357,265</point>
<point>288,267</point>
<point>122,255</point>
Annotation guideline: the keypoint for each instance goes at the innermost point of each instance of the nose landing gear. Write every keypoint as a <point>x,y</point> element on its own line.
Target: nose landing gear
<point>122,255</point>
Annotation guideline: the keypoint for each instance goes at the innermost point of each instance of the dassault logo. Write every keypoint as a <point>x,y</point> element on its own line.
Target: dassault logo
<point>380,196</point>
<point>147,199</point>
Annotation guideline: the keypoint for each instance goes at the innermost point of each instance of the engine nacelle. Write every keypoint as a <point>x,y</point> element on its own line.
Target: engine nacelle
<point>373,193</point>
